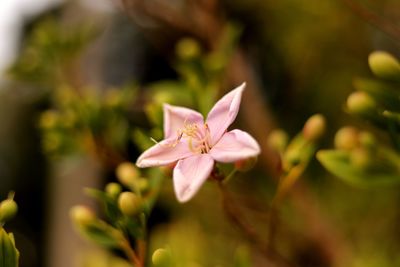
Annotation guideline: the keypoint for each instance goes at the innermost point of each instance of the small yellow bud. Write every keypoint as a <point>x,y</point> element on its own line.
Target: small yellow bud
<point>113,189</point>
<point>188,48</point>
<point>346,138</point>
<point>245,164</point>
<point>127,173</point>
<point>143,184</point>
<point>8,209</point>
<point>278,140</point>
<point>360,103</point>
<point>82,215</point>
<point>129,203</point>
<point>384,65</point>
<point>367,140</point>
<point>314,128</point>
<point>161,257</point>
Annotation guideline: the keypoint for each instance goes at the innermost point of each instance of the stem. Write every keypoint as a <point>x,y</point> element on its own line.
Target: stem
<point>238,219</point>
<point>130,253</point>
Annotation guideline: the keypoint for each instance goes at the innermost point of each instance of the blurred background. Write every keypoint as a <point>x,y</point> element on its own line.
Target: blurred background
<point>81,88</point>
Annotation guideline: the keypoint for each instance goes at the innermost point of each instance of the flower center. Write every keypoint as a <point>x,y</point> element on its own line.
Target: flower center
<point>197,136</point>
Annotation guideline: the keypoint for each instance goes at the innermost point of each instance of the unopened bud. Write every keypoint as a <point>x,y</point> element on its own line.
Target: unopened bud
<point>346,138</point>
<point>143,184</point>
<point>245,164</point>
<point>8,209</point>
<point>278,140</point>
<point>113,189</point>
<point>384,65</point>
<point>129,203</point>
<point>48,119</point>
<point>360,158</point>
<point>161,258</point>
<point>360,103</point>
<point>82,215</point>
<point>127,173</point>
<point>188,48</point>
<point>314,128</point>
<point>367,140</point>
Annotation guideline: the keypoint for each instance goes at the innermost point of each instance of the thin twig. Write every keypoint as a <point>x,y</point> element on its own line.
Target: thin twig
<point>374,19</point>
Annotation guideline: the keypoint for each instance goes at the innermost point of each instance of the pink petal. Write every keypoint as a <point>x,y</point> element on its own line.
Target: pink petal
<point>164,153</point>
<point>235,145</point>
<point>175,117</point>
<point>190,174</point>
<point>224,113</point>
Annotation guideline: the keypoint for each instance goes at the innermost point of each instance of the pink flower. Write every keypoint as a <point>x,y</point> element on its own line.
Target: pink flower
<point>195,144</point>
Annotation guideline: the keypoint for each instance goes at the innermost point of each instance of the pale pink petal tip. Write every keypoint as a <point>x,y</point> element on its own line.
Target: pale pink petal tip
<point>235,145</point>
<point>190,174</point>
<point>224,113</point>
<point>163,153</point>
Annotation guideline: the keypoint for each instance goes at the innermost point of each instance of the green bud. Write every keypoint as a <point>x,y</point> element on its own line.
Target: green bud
<point>188,48</point>
<point>127,173</point>
<point>278,140</point>
<point>8,209</point>
<point>314,127</point>
<point>143,184</point>
<point>384,65</point>
<point>245,164</point>
<point>161,258</point>
<point>129,203</point>
<point>346,138</point>
<point>367,140</point>
<point>360,103</point>
<point>360,158</point>
<point>82,216</point>
<point>113,189</point>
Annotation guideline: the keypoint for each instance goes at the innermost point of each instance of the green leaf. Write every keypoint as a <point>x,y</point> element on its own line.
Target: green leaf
<point>338,163</point>
<point>9,255</point>
<point>102,234</point>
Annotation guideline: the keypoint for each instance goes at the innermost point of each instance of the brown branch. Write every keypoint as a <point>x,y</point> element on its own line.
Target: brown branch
<point>375,20</point>
<point>238,219</point>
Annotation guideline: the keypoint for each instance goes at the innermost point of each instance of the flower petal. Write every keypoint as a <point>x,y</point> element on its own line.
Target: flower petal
<point>224,113</point>
<point>190,174</point>
<point>235,145</point>
<point>164,153</point>
<point>175,117</point>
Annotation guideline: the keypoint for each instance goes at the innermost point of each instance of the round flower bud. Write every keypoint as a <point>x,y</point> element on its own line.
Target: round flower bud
<point>161,257</point>
<point>314,128</point>
<point>367,140</point>
<point>113,189</point>
<point>245,164</point>
<point>360,103</point>
<point>360,158</point>
<point>384,65</point>
<point>8,209</point>
<point>49,119</point>
<point>82,215</point>
<point>346,138</point>
<point>188,48</point>
<point>278,139</point>
<point>129,203</point>
<point>143,184</point>
<point>127,173</point>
